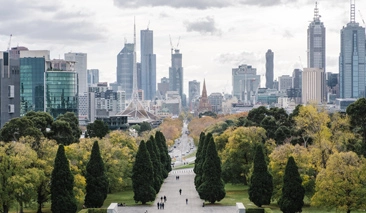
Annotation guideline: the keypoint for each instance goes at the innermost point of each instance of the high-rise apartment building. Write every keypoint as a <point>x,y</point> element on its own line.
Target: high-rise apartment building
<point>10,84</point>
<point>269,69</point>
<point>297,79</point>
<point>176,73</point>
<point>316,42</point>
<point>313,87</point>
<point>61,85</point>
<point>125,61</point>
<point>33,65</point>
<point>245,83</point>
<point>163,86</point>
<point>80,68</point>
<point>352,77</point>
<point>148,64</point>
<point>93,76</point>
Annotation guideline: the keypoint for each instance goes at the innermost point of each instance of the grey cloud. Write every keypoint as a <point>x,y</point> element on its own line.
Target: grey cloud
<point>240,58</point>
<point>197,4</point>
<point>47,21</point>
<point>204,4</point>
<point>204,26</point>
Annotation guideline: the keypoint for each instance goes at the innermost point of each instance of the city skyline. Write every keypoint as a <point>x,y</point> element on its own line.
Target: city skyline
<point>214,36</point>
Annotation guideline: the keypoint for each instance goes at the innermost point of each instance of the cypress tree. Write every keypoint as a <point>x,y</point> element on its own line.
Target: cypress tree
<point>261,182</point>
<point>212,188</point>
<point>62,183</point>
<point>198,179</point>
<point>198,153</point>
<point>96,180</point>
<point>142,176</point>
<point>157,153</point>
<point>164,155</point>
<point>155,163</point>
<point>292,198</point>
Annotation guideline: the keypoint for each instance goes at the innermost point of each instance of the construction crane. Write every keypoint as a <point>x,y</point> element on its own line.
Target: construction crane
<point>9,44</point>
<point>171,44</point>
<point>178,42</point>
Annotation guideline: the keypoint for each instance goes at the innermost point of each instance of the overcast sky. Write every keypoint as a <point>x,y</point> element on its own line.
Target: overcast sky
<point>215,35</point>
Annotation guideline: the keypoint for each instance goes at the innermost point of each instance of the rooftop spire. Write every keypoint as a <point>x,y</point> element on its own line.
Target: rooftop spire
<point>316,12</point>
<point>353,11</point>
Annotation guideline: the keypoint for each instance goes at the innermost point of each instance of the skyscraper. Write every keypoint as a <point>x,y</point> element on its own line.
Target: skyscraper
<point>316,42</point>
<point>93,76</point>
<point>176,73</point>
<point>148,65</point>
<point>194,88</point>
<point>269,69</point>
<point>125,63</point>
<point>352,59</point>
<point>245,83</point>
<point>33,66</point>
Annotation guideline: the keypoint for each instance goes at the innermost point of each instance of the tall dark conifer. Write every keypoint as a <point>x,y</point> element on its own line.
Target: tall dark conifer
<point>261,182</point>
<point>96,180</point>
<point>142,176</point>
<point>198,178</point>
<point>198,153</point>
<point>212,188</point>
<point>155,163</point>
<point>164,155</point>
<point>292,198</point>
<point>62,184</point>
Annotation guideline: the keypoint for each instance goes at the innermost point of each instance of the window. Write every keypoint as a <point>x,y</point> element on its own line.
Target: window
<point>11,108</point>
<point>11,91</point>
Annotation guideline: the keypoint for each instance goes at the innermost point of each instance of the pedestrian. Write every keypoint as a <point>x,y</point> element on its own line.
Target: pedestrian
<point>158,205</point>
<point>203,204</point>
<point>186,200</point>
<point>162,204</point>
<point>164,198</point>
<point>180,191</point>
<point>161,198</point>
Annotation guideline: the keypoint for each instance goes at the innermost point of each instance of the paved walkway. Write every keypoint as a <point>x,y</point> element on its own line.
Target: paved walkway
<point>177,203</point>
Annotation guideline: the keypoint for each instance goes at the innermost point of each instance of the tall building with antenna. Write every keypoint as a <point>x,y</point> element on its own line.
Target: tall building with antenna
<point>352,70</point>
<point>148,64</point>
<point>316,42</point>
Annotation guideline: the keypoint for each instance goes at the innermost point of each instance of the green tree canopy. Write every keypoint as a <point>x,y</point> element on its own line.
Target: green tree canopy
<point>342,185</point>
<point>62,183</point>
<point>97,129</point>
<point>96,180</point>
<point>261,183</point>
<point>73,121</point>
<point>19,127</point>
<point>292,198</point>
<point>357,113</point>
<point>61,131</point>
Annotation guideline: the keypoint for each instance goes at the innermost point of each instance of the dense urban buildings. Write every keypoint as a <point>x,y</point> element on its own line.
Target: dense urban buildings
<point>148,64</point>
<point>269,69</point>
<point>176,73</point>
<point>93,76</point>
<point>284,83</point>
<point>352,77</point>
<point>194,88</point>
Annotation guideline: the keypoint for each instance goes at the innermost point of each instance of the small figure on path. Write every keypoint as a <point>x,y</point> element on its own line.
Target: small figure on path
<point>180,191</point>
<point>158,205</point>
<point>162,205</point>
<point>186,200</point>
<point>161,198</point>
<point>203,204</point>
<point>164,198</point>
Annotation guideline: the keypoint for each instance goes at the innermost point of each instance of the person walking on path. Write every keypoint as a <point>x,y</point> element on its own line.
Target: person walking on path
<point>180,191</point>
<point>164,198</point>
<point>162,205</point>
<point>158,205</point>
<point>186,200</point>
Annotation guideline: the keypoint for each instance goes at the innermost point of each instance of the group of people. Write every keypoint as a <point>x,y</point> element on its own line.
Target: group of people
<point>177,177</point>
<point>161,203</point>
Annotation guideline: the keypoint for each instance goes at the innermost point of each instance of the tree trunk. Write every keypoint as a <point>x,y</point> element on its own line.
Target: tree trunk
<point>5,208</point>
<point>21,207</point>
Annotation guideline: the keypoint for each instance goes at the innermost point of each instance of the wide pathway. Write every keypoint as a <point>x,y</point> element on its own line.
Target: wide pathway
<point>176,203</point>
